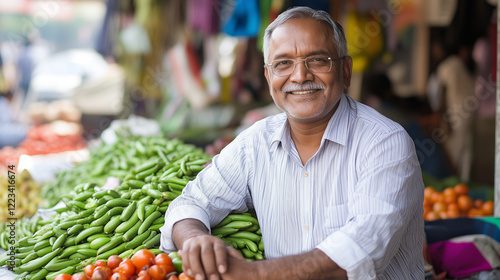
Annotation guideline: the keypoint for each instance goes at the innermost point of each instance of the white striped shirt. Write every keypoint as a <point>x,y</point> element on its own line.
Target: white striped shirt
<point>358,199</point>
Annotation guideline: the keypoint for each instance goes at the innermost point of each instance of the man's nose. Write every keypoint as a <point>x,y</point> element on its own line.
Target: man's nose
<point>301,73</point>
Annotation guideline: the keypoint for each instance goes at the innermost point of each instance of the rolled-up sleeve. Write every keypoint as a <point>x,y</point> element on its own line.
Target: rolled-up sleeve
<point>177,214</point>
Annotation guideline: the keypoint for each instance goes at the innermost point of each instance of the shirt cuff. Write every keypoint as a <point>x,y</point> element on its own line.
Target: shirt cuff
<point>177,214</point>
<point>347,254</point>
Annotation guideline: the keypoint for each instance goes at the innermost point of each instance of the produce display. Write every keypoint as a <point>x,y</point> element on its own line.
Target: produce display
<point>99,220</point>
<point>24,195</point>
<point>23,227</point>
<point>142,265</point>
<point>55,137</point>
<point>454,202</point>
<point>114,160</point>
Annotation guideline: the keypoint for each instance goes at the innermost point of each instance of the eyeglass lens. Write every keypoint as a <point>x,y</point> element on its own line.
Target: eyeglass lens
<point>313,64</point>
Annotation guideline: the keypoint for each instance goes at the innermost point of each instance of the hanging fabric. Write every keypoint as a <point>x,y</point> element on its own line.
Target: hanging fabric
<point>186,75</point>
<point>244,20</point>
<point>209,70</point>
<point>203,15</point>
<point>364,37</point>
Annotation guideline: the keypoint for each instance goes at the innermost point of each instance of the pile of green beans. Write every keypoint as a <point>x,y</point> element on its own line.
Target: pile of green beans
<point>116,160</point>
<point>97,223</point>
<point>242,231</point>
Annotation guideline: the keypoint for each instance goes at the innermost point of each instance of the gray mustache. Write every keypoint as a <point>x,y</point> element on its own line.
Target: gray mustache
<point>297,87</point>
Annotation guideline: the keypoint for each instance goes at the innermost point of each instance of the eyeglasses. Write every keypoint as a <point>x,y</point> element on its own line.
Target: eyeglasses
<point>315,64</point>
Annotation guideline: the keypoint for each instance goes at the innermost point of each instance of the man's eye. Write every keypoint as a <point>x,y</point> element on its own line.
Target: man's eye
<point>283,63</point>
<point>318,59</point>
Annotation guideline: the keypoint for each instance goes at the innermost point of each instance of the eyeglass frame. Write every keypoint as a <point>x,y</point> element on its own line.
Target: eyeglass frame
<point>295,61</point>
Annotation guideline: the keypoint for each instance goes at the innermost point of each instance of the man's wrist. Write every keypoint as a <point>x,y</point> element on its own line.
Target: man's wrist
<point>186,229</point>
<point>259,269</point>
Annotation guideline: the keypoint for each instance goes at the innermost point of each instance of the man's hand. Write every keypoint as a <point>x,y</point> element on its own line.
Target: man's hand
<point>238,268</point>
<point>206,257</point>
<point>203,256</point>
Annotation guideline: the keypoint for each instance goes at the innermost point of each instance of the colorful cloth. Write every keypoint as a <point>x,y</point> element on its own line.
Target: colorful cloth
<point>464,246</point>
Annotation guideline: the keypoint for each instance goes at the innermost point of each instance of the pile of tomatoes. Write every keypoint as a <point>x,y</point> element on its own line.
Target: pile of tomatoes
<point>454,202</point>
<point>45,139</point>
<point>144,265</point>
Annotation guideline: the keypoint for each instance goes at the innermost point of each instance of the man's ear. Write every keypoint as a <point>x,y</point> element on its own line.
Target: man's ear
<point>266,73</point>
<point>347,71</point>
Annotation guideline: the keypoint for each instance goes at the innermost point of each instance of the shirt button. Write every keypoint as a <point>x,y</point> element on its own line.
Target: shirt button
<point>306,227</point>
<point>306,174</point>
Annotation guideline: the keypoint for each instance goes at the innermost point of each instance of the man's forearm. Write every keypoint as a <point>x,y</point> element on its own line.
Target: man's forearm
<point>311,265</point>
<point>185,229</point>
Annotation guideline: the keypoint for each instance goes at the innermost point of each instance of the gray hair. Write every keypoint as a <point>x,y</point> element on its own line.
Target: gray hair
<point>305,12</point>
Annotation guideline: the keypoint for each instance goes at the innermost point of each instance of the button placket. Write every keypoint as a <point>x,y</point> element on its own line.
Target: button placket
<point>306,219</point>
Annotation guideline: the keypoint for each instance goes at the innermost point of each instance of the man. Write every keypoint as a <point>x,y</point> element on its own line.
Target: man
<point>336,186</point>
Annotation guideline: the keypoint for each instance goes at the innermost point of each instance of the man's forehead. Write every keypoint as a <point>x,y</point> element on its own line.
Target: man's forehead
<point>302,25</point>
<point>301,31</point>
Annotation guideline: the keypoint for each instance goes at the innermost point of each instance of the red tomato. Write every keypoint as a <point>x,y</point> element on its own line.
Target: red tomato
<point>143,259</point>
<point>118,276</point>
<point>99,275</point>
<point>114,261</point>
<point>184,276</point>
<point>164,260</point>
<point>63,277</point>
<point>157,272</point>
<point>106,269</point>
<point>79,276</point>
<point>89,270</point>
<point>100,263</point>
<point>127,267</point>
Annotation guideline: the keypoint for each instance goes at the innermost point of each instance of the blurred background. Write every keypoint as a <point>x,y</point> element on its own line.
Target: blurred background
<point>69,68</point>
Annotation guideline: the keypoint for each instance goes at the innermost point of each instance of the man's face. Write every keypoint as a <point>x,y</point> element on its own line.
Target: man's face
<point>298,39</point>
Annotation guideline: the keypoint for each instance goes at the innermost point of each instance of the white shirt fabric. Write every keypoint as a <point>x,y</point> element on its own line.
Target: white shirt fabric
<point>358,199</point>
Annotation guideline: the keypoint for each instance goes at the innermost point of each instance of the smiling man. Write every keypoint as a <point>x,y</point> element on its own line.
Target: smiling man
<point>336,186</point>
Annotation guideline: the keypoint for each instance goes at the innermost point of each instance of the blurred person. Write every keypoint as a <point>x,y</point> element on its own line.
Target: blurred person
<point>5,113</point>
<point>25,68</point>
<point>336,186</point>
<point>35,49</point>
<point>5,96</point>
<point>11,133</point>
<point>457,79</point>
<point>4,84</point>
<point>483,159</point>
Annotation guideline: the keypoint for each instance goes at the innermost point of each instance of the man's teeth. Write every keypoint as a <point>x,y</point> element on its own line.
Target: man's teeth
<point>303,91</point>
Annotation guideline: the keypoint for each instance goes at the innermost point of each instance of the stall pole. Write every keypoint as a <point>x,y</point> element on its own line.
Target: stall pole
<point>497,121</point>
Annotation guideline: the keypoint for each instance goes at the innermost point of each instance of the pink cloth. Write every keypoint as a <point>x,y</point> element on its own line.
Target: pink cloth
<point>458,259</point>
<point>203,15</point>
<point>465,255</point>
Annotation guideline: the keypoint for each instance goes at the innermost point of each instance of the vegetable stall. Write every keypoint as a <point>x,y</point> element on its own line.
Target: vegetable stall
<point>112,206</point>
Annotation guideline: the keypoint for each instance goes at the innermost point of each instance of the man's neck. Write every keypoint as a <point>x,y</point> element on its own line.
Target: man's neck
<point>307,137</point>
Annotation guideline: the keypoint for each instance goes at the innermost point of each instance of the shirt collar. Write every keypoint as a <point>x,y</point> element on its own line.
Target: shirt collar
<point>336,131</point>
<point>282,136</point>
